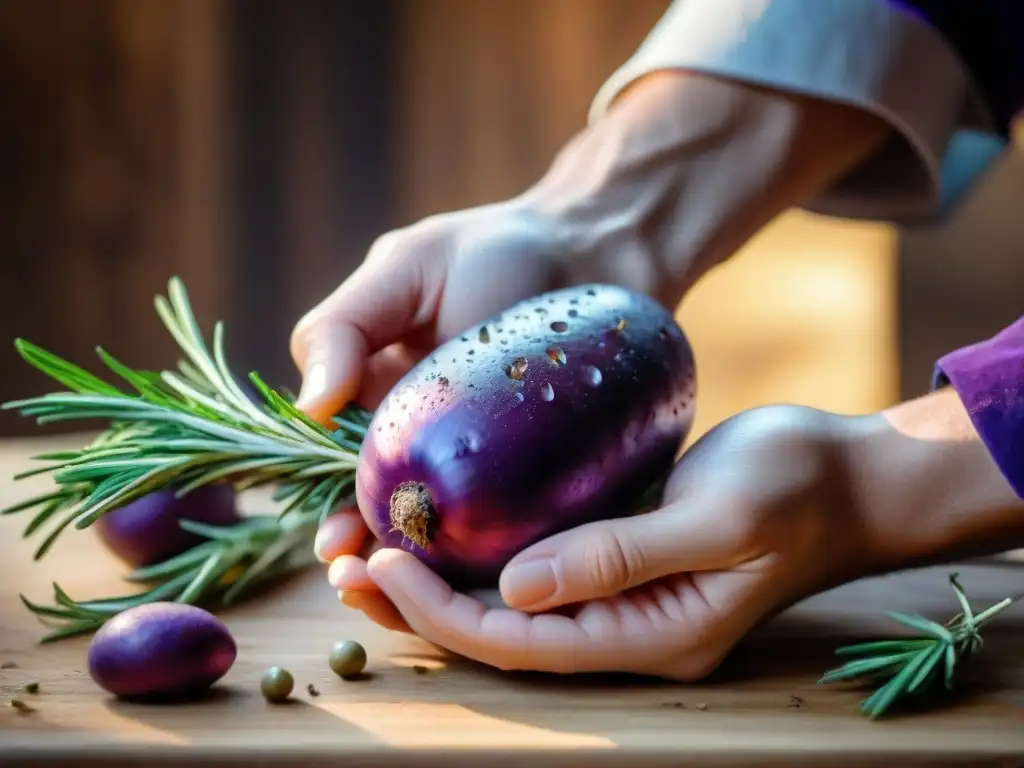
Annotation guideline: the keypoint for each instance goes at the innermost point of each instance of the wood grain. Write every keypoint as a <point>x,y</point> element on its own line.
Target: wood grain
<point>762,708</point>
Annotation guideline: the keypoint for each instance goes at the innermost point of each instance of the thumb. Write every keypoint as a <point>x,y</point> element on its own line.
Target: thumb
<point>607,557</point>
<point>374,307</point>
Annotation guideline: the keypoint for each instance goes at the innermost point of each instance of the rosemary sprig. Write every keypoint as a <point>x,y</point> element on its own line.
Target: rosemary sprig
<point>186,428</point>
<point>231,562</point>
<point>917,666</point>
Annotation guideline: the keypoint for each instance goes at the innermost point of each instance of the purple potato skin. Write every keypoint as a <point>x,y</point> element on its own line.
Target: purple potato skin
<point>146,531</point>
<point>161,649</point>
<point>508,455</point>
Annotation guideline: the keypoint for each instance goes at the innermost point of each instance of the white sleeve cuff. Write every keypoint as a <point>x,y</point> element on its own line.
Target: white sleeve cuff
<point>865,53</point>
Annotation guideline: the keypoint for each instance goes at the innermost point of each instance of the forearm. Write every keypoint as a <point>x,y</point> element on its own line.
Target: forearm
<point>685,169</point>
<point>731,111</point>
<point>927,487</point>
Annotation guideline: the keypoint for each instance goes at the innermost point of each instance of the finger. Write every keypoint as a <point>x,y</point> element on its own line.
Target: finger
<point>378,304</point>
<point>607,557</point>
<point>377,608</point>
<point>343,533</point>
<point>499,637</point>
<point>348,574</point>
<point>383,371</point>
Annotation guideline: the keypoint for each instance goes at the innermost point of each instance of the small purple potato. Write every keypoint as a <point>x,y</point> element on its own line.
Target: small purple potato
<point>147,530</point>
<point>160,649</point>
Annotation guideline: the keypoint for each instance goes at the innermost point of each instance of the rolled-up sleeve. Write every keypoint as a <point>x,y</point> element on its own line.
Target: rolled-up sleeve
<point>989,378</point>
<point>874,54</point>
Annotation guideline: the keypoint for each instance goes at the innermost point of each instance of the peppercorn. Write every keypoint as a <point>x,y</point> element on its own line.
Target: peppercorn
<point>277,684</point>
<point>347,659</point>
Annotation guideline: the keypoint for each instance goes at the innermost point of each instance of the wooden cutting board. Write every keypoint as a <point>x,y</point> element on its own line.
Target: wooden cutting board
<point>763,708</point>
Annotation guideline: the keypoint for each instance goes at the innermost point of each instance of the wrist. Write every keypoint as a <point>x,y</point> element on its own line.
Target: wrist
<point>926,487</point>
<point>684,169</point>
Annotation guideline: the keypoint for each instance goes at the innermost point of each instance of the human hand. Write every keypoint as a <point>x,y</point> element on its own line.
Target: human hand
<point>772,505</point>
<point>754,517</point>
<point>419,286</point>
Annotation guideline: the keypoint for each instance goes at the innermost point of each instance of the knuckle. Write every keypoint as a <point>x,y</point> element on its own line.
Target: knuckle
<point>612,561</point>
<point>385,245</point>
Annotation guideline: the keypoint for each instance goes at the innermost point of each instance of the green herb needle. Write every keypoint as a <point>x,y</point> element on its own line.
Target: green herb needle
<point>188,427</point>
<point>918,665</point>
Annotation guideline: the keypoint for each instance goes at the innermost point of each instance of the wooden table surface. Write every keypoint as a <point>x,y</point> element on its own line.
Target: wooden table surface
<point>763,708</point>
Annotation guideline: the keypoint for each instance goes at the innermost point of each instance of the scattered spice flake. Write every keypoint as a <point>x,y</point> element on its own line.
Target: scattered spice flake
<point>8,665</point>
<point>702,706</point>
<point>21,706</point>
<point>419,670</point>
<point>673,705</point>
<point>313,690</point>
<point>31,687</point>
<point>795,702</point>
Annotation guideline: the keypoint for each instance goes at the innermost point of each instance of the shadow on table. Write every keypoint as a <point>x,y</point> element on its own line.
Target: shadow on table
<point>772,674</point>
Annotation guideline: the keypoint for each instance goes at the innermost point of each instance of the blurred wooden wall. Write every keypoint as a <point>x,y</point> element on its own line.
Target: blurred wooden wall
<point>257,147</point>
<point>962,280</point>
<point>241,144</point>
<point>805,313</point>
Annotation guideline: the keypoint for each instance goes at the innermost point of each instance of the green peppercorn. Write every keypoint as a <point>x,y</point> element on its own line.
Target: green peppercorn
<point>276,684</point>
<point>348,658</point>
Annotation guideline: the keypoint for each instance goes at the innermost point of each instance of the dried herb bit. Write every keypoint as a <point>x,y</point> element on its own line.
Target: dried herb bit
<point>21,706</point>
<point>917,666</point>
<point>9,665</point>
<point>31,687</point>
<point>795,702</point>
<point>673,705</point>
<point>419,669</point>
<point>348,659</point>
<point>313,690</point>
<point>277,684</point>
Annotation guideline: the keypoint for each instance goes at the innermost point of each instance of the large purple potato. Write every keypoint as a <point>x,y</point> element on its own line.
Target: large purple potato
<point>147,530</point>
<point>160,649</point>
<point>559,411</point>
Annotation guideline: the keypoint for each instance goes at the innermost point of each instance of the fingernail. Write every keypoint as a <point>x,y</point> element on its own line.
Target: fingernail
<point>320,542</point>
<point>351,599</point>
<point>530,582</point>
<point>314,385</point>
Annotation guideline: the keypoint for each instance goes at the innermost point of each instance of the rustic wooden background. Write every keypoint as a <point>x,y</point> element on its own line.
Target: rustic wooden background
<point>257,148</point>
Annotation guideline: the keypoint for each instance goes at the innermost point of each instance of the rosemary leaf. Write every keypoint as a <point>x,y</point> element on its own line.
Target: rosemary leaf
<point>868,666</point>
<point>883,646</point>
<point>267,558</point>
<point>74,629</point>
<point>174,565</point>
<point>42,610</point>
<point>931,663</point>
<point>215,532</point>
<point>212,571</point>
<point>878,702</point>
<point>111,606</point>
<point>185,428</point>
<point>50,540</point>
<point>923,625</point>
<point>915,665</point>
<point>44,514</point>
<point>950,651</point>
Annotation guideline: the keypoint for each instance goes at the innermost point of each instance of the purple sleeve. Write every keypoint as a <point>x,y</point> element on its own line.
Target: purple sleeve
<point>989,378</point>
